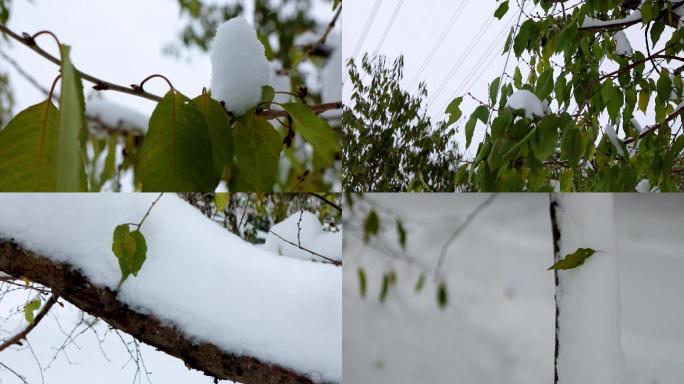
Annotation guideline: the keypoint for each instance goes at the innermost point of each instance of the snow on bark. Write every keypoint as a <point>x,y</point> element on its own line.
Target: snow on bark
<point>622,45</point>
<point>612,136</point>
<point>210,284</point>
<point>527,101</point>
<point>239,66</point>
<point>304,229</point>
<point>588,296</point>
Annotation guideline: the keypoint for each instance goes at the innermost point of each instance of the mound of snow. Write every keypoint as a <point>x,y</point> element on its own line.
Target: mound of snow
<point>527,101</point>
<point>304,228</point>
<point>239,66</point>
<point>622,45</point>
<point>209,283</point>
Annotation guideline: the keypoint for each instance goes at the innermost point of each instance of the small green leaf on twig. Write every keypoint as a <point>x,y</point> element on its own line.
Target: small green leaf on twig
<point>31,307</point>
<point>574,259</point>
<point>362,281</point>
<point>131,250</point>
<point>442,295</point>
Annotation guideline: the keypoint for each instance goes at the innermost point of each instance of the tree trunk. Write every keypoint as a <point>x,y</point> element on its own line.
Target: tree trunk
<point>72,286</point>
<point>587,297</point>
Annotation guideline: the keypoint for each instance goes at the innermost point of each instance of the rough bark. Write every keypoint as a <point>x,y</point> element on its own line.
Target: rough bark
<point>555,231</point>
<point>72,286</point>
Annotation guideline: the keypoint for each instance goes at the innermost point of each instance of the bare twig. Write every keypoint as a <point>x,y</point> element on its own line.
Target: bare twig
<point>323,199</point>
<point>461,228</point>
<point>335,262</point>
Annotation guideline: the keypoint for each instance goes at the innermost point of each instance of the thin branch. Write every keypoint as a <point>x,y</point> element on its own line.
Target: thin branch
<point>318,43</point>
<point>16,339</point>
<point>458,231</point>
<point>22,378</point>
<point>103,85</point>
<point>323,199</point>
<point>335,262</point>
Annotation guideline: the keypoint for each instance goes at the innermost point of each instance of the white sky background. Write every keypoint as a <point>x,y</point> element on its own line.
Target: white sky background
<point>119,41</point>
<point>467,60</point>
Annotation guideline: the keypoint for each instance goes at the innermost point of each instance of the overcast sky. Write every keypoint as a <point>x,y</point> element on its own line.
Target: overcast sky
<point>469,57</point>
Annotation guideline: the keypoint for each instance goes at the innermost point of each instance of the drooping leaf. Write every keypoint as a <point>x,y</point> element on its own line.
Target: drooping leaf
<point>257,150</point>
<point>28,147</point>
<point>420,283</point>
<point>176,155</point>
<point>371,226</point>
<point>362,281</point>
<point>454,110</point>
<point>70,173</point>
<point>31,307</point>
<point>220,131</point>
<point>480,113</point>
<point>267,94</point>
<point>314,130</point>
<point>501,10</point>
<point>442,295</point>
<point>130,249</point>
<point>401,233</point>
<point>574,259</point>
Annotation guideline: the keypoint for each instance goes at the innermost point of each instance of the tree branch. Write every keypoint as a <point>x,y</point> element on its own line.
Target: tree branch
<point>72,286</point>
<point>135,90</point>
<point>16,339</point>
<point>334,262</point>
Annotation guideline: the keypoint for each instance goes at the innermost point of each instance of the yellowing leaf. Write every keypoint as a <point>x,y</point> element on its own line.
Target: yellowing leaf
<point>574,259</point>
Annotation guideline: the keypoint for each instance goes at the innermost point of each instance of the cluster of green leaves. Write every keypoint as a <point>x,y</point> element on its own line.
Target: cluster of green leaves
<point>573,260</point>
<point>567,145</point>
<point>190,146</point>
<point>372,228</point>
<point>389,143</point>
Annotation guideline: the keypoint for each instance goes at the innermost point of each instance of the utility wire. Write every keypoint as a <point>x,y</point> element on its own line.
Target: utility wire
<point>389,26</point>
<point>438,43</point>
<point>366,28</point>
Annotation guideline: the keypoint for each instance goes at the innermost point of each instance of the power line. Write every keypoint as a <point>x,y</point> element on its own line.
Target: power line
<point>461,59</point>
<point>438,43</point>
<point>389,25</point>
<point>366,28</point>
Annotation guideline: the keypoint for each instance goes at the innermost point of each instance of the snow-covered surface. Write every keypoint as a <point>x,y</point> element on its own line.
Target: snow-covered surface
<point>527,101</point>
<point>644,186</point>
<point>306,230</point>
<point>612,136</point>
<point>209,283</point>
<point>637,125</point>
<point>115,115</point>
<point>622,45</point>
<point>499,325</point>
<point>239,66</point>
<point>590,22</point>
<point>589,295</point>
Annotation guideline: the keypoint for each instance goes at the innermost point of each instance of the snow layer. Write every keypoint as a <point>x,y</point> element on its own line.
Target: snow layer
<point>211,284</point>
<point>622,45</point>
<point>115,115</point>
<point>527,101</point>
<point>588,296</point>
<point>612,136</point>
<point>305,229</point>
<point>239,66</point>
<point>590,22</point>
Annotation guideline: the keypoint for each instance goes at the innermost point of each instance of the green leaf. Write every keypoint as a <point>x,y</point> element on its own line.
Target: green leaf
<point>371,226</point>
<point>362,281</point>
<point>384,290</point>
<point>574,259</point>
<point>664,87</point>
<point>70,173</point>
<point>442,295</point>
<point>31,307</point>
<point>494,90</point>
<point>314,130</point>
<point>454,110</point>
<point>571,140</point>
<point>130,249</point>
<point>257,150</point>
<point>544,84</point>
<point>501,11</point>
<point>656,30</point>
<point>420,283</point>
<point>176,155</point>
<point>546,137</point>
<point>221,200</point>
<point>220,131</point>
<point>644,97</point>
<point>523,37</point>
<point>28,146</point>
<point>401,232</point>
<point>267,94</point>
<point>481,113</point>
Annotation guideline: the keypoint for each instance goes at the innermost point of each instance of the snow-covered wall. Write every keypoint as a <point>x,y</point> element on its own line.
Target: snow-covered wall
<point>211,284</point>
<point>588,296</point>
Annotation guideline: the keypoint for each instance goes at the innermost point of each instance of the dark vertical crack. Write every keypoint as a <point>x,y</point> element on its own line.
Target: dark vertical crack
<point>555,229</point>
